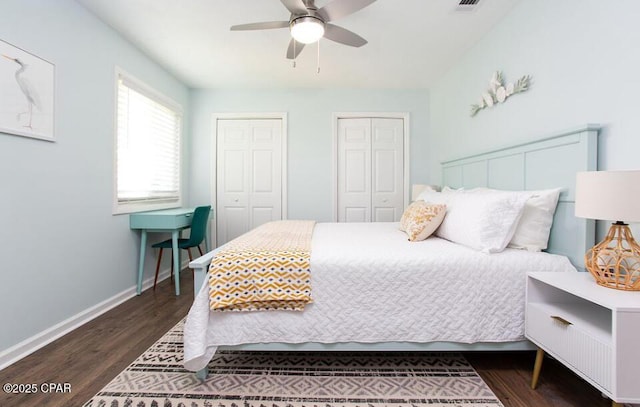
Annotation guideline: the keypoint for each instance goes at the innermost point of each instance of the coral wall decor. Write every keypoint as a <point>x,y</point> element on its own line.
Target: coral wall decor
<point>498,92</point>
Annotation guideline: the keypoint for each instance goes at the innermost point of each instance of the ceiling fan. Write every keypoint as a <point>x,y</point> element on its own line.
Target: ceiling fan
<point>308,23</point>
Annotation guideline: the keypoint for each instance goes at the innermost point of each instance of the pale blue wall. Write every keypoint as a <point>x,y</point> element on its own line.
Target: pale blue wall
<point>584,60</point>
<point>310,136</point>
<point>62,250</point>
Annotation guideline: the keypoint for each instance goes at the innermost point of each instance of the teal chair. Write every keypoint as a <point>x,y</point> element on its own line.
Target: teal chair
<point>198,231</point>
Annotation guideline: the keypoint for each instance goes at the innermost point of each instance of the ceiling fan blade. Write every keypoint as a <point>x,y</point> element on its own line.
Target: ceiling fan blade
<point>260,26</point>
<point>343,36</point>
<point>299,46</point>
<point>341,8</point>
<point>295,6</point>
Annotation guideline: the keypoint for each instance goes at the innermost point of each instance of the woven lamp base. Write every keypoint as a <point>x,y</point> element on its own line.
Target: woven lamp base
<point>615,262</point>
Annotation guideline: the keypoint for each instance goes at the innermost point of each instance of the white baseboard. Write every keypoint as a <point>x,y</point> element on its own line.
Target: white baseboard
<point>28,346</point>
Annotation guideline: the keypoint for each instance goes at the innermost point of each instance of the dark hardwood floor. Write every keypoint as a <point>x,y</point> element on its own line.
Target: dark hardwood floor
<point>91,356</point>
<point>508,374</point>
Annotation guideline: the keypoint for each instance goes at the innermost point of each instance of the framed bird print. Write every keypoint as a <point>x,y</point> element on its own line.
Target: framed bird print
<point>27,94</point>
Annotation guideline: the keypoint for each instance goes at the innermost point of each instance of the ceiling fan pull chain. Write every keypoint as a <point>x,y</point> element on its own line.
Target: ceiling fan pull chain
<point>294,54</point>
<point>318,71</point>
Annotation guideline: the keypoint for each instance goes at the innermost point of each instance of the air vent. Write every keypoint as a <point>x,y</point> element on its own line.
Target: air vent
<point>467,5</point>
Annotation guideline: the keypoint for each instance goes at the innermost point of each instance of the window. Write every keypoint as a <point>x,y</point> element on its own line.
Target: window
<point>148,133</point>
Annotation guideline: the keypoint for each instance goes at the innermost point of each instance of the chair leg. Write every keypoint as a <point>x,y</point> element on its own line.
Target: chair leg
<point>171,273</point>
<point>190,258</point>
<point>200,250</point>
<point>155,280</point>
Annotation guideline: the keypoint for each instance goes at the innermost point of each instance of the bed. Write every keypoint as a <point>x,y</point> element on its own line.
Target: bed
<point>374,290</point>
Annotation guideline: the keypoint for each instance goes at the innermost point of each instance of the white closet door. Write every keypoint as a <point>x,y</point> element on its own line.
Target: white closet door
<point>249,175</point>
<point>265,198</point>
<point>370,169</point>
<point>354,170</point>
<point>387,167</point>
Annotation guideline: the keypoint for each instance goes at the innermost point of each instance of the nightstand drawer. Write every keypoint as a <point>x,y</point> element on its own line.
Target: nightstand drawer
<point>548,331</point>
<point>558,329</point>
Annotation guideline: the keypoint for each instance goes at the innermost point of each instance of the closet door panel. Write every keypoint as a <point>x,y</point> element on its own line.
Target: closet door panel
<point>384,214</point>
<point>262,215</point>
<point>232,179</point>
<point>248,175</point>
<point>370,169</point>
<point>356,214</point>
<point>354,170</point>
<point>387,195</point>
<point>234,223</point>
<point>265,200</point>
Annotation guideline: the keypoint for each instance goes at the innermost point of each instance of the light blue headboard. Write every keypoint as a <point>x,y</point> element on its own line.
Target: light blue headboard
<point>550,162</point>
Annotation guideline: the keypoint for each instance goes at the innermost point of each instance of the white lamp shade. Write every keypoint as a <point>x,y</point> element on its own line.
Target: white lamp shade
<point>307,30</point>
<point>608,195</point>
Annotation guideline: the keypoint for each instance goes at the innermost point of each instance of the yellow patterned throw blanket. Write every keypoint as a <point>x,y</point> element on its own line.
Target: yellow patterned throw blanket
<point>267,268</point>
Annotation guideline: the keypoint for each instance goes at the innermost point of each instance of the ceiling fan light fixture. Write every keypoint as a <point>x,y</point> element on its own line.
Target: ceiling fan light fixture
<point>307,30</point>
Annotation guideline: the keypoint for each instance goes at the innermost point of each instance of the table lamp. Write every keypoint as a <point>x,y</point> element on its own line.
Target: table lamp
<point>612,195</point>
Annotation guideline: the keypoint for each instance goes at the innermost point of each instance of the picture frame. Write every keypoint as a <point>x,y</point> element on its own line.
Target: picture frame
<point>27,86</point>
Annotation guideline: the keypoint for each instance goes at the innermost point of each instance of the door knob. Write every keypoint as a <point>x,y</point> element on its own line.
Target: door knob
<point>236,200</point>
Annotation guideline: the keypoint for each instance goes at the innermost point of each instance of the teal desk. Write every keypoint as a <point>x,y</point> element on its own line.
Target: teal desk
<point>168,220</point>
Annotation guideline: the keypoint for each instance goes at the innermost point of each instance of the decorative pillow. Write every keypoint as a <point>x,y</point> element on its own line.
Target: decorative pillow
<point>534,226</point>
<point>482,221</point>
<point>421,219</point>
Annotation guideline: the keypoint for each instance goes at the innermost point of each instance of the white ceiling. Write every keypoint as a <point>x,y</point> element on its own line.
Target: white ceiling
<point>411,42</point>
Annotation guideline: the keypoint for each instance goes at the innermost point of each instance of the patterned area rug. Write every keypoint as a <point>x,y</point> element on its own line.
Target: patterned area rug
<point>296,379</point>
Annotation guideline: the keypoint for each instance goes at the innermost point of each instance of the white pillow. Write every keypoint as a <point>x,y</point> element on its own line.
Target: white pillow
<point>482,221</point>
<point>534,226</point>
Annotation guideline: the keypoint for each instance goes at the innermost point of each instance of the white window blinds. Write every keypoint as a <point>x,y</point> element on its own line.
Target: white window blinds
<point>147,147</point>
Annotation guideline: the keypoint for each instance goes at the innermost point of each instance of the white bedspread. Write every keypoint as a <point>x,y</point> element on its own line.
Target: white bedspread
<point>369,284</point>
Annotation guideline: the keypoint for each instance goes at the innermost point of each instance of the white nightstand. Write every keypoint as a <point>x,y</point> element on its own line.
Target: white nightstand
<point>593,330</point>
